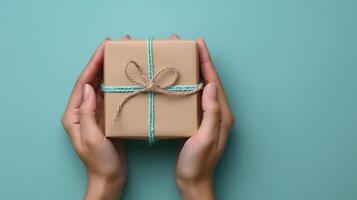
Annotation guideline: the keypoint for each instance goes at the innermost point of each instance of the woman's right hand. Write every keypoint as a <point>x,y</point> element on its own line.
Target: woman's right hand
<point>199,155</point>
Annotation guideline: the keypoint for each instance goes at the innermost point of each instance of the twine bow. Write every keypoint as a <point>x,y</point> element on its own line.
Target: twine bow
<point>154,84</point>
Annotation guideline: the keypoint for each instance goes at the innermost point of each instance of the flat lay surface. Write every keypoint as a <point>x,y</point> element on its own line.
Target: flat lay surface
<point>288,68</point>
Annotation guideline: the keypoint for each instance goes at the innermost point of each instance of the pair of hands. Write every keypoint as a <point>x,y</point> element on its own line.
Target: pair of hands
<point>105,159</point>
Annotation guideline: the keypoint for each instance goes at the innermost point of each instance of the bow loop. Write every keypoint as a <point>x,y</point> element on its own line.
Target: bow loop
<point>135,73</point>
<point>166,77</point>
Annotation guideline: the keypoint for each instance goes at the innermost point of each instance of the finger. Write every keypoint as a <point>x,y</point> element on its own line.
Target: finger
<point>88,75</point>
<point>180,144</point>
<point>72,129</point>
<point>89,128</point>
<point>99,79</point>
<point>210,75</point>
<point>207,69</point>
<point>175,37</point>
<point>126,37</point>
<point>209,128</point>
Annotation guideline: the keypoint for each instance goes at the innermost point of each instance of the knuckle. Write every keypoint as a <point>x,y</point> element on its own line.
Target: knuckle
<point>208,142</point>
<point>228,121</point>
<point>231,120</point>
<point>212,116</point>
<point>94,61</point>
<point>80,81</point>
<point>214,108</point>
<point>64,121</point>
<point>213,113</point>
<point>221,150</point>
<point>84,112</point>
<point>90,141</point>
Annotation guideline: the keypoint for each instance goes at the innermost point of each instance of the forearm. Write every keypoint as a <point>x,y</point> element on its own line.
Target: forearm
<point>192,190</point>
<point>103,189</point>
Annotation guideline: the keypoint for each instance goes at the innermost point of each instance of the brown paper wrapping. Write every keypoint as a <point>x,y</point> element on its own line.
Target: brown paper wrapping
<point>175,116</point>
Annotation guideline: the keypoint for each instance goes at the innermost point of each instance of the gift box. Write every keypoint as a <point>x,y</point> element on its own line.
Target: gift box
<point>151,89</point>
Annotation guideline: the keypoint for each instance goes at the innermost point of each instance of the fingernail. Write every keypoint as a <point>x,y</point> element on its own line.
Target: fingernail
<point>86,91</point>
<point>106,39</point>
<point>125,37</point>
<point>212,91</point>
<point>174,35</point>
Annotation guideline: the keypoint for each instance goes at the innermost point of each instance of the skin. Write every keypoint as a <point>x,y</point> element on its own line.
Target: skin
<point>105,159</point>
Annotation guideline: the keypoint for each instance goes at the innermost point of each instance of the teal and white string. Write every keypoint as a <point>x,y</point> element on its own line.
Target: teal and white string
<point>151,87</point>
<point>151,118</point>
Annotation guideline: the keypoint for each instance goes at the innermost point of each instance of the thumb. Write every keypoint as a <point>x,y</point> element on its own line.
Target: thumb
<point>87,119</point>
<point>211,112</point>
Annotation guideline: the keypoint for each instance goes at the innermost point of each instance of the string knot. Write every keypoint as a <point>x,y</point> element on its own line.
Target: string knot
<point>150,87</point>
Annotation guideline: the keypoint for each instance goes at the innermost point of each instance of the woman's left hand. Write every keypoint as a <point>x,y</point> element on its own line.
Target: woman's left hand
<point>104,159</point>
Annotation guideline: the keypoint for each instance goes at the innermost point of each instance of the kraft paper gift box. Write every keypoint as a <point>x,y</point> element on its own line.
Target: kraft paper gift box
<point>173,116</point>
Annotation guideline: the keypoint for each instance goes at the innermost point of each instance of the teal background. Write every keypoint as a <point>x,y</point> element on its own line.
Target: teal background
<point>289,68</point>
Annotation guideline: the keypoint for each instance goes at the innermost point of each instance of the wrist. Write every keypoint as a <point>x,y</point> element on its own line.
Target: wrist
<point>104,188</point>
<point>191,189</point>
